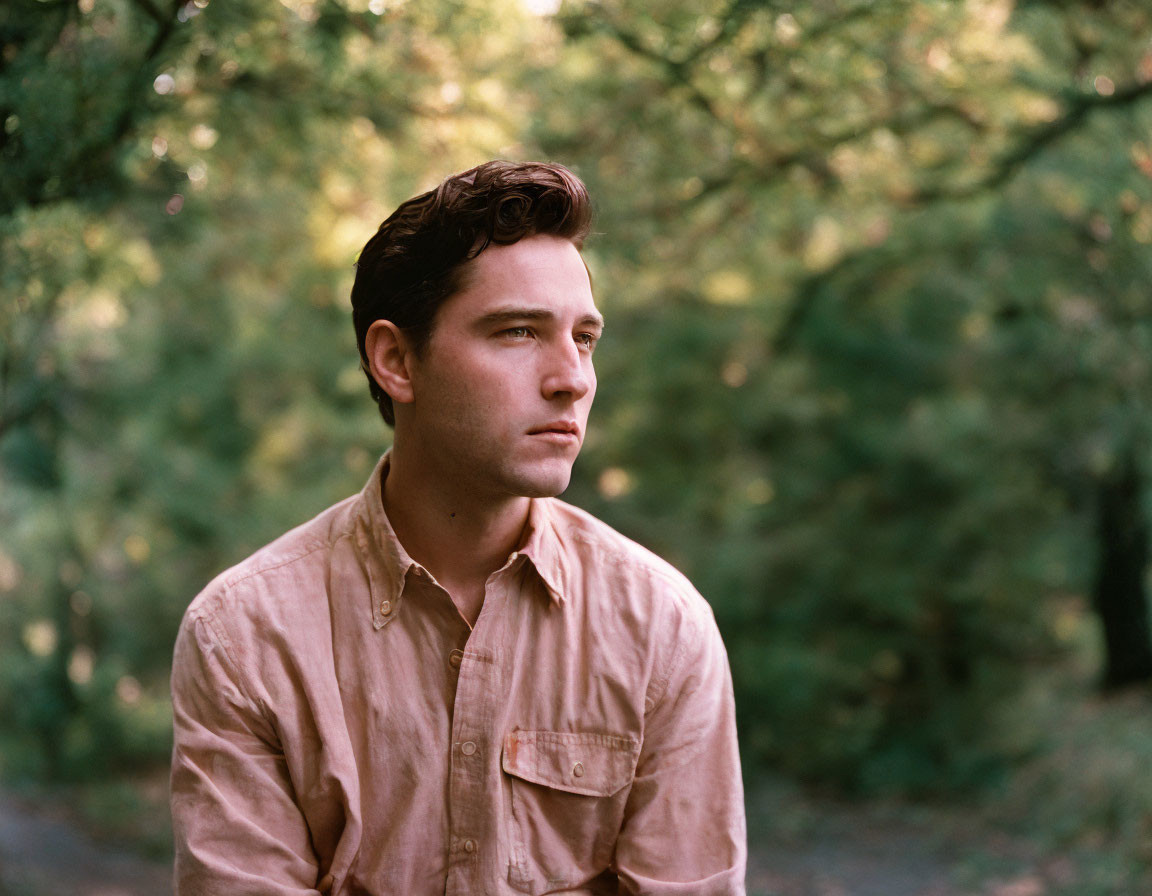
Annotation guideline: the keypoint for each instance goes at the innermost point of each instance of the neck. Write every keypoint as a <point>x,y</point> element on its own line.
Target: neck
<point>460,538</point>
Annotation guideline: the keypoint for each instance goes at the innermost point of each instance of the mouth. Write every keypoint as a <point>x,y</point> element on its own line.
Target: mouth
<point>561,429</point>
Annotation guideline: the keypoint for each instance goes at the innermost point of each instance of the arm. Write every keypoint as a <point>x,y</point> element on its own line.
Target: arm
<point>237,827</point>
<point>684,830</point>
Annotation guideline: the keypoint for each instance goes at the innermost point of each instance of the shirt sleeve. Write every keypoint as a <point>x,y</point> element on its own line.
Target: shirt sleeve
<point>684,828</point>
<point>237,827</point>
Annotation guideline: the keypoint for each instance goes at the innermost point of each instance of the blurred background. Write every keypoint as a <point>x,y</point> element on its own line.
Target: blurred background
<point>877,377</point>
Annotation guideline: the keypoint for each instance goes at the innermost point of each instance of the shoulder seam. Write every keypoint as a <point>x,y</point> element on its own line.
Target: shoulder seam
<point>208,611</point>
<point>302,552</point>
<point>673,666</point>
<point>225,644</point>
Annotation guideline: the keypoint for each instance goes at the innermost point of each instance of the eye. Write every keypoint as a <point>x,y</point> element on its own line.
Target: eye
<point>587,340</point>
<point>516,333</point>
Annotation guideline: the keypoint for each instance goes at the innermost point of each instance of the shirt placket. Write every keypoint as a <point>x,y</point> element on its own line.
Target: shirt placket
<point>475,747</point>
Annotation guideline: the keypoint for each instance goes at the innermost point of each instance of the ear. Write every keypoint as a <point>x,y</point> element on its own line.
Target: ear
<point>389,360</point>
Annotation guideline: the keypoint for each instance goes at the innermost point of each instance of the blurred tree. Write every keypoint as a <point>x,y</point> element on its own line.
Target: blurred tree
<point>844,203</point>
<point>76,82</point>
<point>876,370</point>
<point>1119,588</point>
<point>178,380</point>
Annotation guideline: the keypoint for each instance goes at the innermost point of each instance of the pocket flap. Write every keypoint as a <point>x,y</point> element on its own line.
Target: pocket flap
<point>588,764</point>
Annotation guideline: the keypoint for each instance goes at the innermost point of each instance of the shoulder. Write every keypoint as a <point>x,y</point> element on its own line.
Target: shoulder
<point>632,596</point>
<point>278,573</point>
<point>625,568</point>
<point>246,636</point>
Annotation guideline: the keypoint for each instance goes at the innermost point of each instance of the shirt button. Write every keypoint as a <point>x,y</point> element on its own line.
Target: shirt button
<point>455,658</point>
<point>385,608</point>
<point>469,845</point>
<point>467,748</point>
<point>578,770</point>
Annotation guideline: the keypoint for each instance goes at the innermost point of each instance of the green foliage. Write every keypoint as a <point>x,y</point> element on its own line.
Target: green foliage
<point>894,433</point>
<point>874,280</point>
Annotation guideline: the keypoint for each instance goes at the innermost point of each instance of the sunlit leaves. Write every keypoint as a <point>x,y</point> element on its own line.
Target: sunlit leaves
<point>848,404</point>
<point>913,376</point>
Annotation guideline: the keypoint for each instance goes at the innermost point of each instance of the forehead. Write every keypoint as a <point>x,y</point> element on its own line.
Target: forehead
<point>537,272</point>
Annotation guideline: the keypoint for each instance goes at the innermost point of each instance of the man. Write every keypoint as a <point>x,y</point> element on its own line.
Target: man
<point>453,682</point>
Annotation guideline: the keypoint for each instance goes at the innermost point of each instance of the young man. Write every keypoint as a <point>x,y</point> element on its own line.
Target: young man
<point>453,683</point>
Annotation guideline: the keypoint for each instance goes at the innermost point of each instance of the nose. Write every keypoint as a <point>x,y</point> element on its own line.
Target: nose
<point>568,372</point>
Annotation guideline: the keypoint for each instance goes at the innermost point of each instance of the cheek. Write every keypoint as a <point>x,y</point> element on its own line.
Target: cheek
<point>481,399</point>
<point>587,399</point>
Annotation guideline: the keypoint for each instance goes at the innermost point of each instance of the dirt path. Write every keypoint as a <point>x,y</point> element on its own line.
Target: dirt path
<point>43,853</point>
<point>805,846</point>
<point>798,845</point>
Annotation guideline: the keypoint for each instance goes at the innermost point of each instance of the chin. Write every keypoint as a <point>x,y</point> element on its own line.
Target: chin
<point>543,484</point>
<point>544,490</point>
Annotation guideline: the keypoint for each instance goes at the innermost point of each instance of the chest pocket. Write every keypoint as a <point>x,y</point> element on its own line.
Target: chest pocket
<point>568,795</point>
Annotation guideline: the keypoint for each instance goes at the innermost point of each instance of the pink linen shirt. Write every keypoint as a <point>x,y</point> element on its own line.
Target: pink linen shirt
<point>339,727</point>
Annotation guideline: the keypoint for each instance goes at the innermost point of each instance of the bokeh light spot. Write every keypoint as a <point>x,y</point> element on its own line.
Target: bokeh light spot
<point>128,690</point>
<point>760,491</point>
<point>40,637</point>
<point>137,549</point>
<point>734,374</point>
<point>204,136</point>
<point>10,572</point>
<point>615,482</point>
<point>81,665</point>
<point>81,603</point>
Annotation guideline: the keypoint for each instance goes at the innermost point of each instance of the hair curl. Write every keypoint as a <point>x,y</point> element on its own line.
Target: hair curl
<point>418,258</point>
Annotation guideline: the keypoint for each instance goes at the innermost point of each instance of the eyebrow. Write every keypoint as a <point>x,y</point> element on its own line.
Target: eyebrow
<point>509,315</point>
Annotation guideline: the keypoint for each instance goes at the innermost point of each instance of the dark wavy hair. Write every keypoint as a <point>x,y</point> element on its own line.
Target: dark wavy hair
<point>419,256</point>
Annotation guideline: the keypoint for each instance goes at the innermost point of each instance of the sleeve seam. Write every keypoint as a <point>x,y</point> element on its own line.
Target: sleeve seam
<point>673,666</point>
<point>220,636</point>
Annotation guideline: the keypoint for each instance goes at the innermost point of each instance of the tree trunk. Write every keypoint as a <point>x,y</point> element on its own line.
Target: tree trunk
<point>1120,598</point>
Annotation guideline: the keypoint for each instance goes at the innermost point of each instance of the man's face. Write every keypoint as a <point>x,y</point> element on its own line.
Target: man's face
<point>502,390</point>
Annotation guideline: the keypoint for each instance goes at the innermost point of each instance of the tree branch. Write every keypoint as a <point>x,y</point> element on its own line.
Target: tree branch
<point>1034,143</point>
<point>128,108</point>
<point>678,71</point>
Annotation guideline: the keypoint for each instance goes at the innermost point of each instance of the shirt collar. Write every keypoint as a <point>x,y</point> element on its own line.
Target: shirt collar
<point>386,561</point>
<point>388,565</point>
<point>541,545</point>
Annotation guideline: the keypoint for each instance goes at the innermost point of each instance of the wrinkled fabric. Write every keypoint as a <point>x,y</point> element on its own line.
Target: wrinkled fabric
<point>340,729</point>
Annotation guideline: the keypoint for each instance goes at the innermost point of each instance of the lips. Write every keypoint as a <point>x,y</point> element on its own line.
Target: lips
<point>559,427</point>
